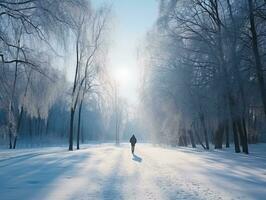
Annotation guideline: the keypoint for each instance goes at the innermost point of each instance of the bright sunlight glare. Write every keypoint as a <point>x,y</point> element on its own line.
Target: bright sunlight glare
<point>126,77</point>
<point>121,76</point>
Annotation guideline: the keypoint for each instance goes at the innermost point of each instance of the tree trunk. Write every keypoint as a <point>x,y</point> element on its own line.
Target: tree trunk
<point>13,94</point>
<point>18,126</point>
<point>218,140</point>
<point>190,133</point>
<point>22,110</point>
<point>182,139</point>
<point>236,141</point>
<point>242,136</point>
<point>234,121</point>
<point>79,118</point>
<point>202,120</point>
<point>227,139</point>
<point>245,135</point>
<point>199,140</point>
<point>15,142</point>
<point>10,140</point>
<point>72,111</point>
<point>82,134</point>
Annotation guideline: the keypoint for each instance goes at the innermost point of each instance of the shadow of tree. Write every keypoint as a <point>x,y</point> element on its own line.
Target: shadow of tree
<point>38,171</point>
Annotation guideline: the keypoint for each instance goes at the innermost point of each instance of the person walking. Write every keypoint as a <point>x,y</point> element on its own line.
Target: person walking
<point>133,141</point>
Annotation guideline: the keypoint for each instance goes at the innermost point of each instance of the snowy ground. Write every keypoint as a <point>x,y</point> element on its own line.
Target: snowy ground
<point>109,172</point>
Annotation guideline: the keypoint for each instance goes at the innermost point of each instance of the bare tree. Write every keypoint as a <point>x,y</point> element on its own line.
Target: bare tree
<point>89,32</point>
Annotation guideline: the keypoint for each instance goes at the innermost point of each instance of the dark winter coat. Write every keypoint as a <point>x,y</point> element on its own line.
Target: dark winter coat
<point>133,140</point>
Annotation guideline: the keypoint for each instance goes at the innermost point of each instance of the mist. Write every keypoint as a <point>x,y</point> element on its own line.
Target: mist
<point>173,78</point>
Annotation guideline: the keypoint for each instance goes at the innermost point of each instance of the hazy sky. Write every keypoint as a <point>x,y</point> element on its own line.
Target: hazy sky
<point>132,19</point>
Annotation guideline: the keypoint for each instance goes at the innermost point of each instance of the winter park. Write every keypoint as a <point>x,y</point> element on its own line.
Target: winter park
<point>132,99</point>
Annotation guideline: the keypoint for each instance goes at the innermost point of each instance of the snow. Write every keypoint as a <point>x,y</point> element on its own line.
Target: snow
<point>110,172</point>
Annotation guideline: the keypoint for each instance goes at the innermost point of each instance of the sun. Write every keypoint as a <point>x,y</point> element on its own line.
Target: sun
<point>126,80</point>
<point>121,76</point>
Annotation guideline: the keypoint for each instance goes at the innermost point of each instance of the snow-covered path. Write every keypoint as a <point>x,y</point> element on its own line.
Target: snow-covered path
<point>109,172</point>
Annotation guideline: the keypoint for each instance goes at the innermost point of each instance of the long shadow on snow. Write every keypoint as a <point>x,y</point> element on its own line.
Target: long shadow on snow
<point>114,186</point>
<point>37,174</point>
<point>136,158</point>
<point>26,156</point>
<point>113,183</point>
<point>232,169</point>
<point>227,181</point>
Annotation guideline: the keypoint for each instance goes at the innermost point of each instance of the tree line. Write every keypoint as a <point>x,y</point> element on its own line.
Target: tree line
<point>39,41</point>
<point>204,73</point>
